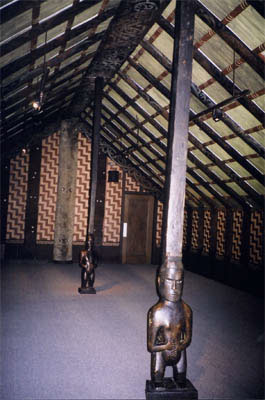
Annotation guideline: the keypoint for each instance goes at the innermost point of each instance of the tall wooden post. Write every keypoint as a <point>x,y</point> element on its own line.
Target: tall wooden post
<point>178,129</point>
<point>95,154</point>
<point>87,259</point>
<point>169,325</point>
<point>64,218</point>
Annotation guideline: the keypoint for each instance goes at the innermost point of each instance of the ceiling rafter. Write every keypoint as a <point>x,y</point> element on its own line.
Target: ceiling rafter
<point>229,37</point>
<point>217,74</point>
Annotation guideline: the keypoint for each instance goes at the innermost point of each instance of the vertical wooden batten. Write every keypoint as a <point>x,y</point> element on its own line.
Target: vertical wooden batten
<point>64,218</point>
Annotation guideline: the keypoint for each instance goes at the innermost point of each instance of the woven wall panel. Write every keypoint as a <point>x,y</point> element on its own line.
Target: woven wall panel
<point>131,185</point>
<point>256,238</point>
<point>237,232</point>
<point>159,223</point>
<point>220,245</point>
<point>82,190</point>
<point>48,188</point>
<point>17,199</point>
<point>113,202</point>
<point>206,232</point>
<point>195,230</point>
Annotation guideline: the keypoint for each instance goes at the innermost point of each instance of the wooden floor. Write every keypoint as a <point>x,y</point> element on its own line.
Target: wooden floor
<point>58,344</point>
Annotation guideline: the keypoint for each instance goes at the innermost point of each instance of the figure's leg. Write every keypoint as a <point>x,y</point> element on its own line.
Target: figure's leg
<point>83,278</point>
<point>180,369</point>
<point>157,368</point>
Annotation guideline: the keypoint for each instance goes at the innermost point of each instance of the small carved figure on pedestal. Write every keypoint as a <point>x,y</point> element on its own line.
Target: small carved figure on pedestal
<point>169,332</point>
<point>88,265</point>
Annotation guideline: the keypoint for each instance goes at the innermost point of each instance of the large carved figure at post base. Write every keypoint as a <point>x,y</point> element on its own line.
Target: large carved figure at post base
<point>169,332</point>
<point>88,265</point>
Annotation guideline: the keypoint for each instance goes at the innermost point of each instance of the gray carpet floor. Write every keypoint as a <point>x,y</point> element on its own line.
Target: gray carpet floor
<point>58,344</point>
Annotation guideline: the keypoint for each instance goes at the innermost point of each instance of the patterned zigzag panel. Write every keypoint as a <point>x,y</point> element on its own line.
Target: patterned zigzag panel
<point>131,185</point>
<point>113,200</point>
<point>237,232</point>
<point>159,223</point>
<point>17,200</point>
<point>48,188</point>
<point>82,189</point>
<point>220,245</point>
<point>256,237</point>
<point>206,232</point>
<point>195,230</point>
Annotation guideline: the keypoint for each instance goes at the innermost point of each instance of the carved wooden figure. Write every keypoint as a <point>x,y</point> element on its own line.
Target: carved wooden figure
<point>88,265</point>
<point>169,329</point>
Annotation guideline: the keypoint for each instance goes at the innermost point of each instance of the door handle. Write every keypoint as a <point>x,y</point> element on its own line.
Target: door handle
<point>124,232</point>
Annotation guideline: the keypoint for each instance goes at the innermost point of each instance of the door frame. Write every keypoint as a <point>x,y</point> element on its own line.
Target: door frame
<point>150,225</point>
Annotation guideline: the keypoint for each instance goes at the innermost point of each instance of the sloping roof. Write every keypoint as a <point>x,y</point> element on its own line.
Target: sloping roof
<point>129,44</point>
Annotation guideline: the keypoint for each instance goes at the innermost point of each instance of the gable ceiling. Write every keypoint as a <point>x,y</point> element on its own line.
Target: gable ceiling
<point>61,46</point>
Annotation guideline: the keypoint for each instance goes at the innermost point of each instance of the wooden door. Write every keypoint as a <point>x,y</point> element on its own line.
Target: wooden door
<point>137,229</point>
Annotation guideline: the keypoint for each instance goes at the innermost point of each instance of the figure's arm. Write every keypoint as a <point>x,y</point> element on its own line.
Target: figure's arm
<point>188,327</point>
<point>152,331</point>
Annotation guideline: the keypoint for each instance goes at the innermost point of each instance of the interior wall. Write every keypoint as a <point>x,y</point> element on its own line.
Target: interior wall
<point>218,237</point>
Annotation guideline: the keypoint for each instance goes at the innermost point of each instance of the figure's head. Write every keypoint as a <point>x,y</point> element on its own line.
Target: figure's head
<point>170,282</point>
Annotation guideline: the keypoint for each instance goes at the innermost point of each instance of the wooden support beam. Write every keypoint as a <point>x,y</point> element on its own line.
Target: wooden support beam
<point>258,199</point>
<point>25,60</point>
<point>230,150</point>
<point>230,38</point>
<point>207,186</point>
<point>13,9</point>
<point>178,133</point>
<point>139,109</point>
<point>217,74</point>
<point>95,154</point>
<point>217,180</point>
<point>227,120</point>
<point>202,96</point>
<point>27,34</point>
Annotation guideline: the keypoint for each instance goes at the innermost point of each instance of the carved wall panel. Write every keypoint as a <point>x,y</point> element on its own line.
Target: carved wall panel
<point>206,232</point>
<point>113,203</point>
<point>195,230</point>
<point>48,188</point>
<point>18,186</point>
<point>82,190</point>
<point>220,245</point>
<point>237,232</point>
<point>256,238</point>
